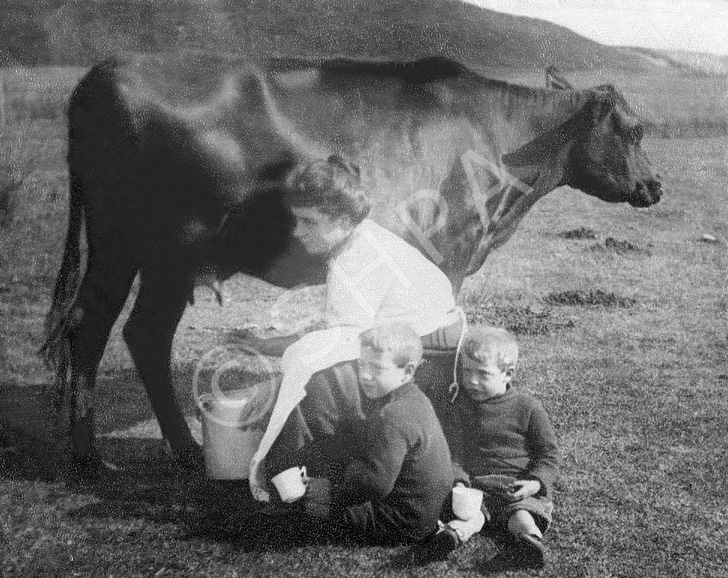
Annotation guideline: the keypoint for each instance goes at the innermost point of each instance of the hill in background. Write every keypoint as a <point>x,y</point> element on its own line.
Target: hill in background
<point>81,32</point>
<point>713,64</point>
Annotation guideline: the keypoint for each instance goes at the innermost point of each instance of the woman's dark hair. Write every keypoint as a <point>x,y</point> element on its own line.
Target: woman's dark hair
<point>331,185</point>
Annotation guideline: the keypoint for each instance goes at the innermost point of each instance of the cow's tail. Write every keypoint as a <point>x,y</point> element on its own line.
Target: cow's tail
<point>59,320</point>
<point>62,316</point>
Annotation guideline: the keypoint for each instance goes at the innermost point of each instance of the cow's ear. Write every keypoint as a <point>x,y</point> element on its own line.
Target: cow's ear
<point>555,81</point>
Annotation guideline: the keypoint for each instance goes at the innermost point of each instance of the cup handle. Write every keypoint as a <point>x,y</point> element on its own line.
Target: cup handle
<point>304,473</point>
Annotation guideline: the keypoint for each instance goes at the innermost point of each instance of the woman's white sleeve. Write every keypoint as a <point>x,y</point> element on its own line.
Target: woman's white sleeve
<point>355,299</point>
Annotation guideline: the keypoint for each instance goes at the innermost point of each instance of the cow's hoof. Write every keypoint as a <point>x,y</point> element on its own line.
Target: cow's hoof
<point>82,469</point>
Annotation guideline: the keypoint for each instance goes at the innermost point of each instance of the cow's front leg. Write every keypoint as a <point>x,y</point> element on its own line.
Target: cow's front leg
<point>149,333</point>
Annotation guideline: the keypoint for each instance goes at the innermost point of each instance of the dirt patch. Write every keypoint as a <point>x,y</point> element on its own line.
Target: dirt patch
<point>580,233</point>
<point>519,319</point>
<point>593,298</point>
<point>620,247</point>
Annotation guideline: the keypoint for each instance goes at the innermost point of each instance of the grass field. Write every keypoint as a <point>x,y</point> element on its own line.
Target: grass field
<point>621,314</point>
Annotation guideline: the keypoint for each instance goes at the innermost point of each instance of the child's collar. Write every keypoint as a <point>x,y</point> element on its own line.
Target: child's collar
<point>500,397</point>
<point>396,393</point>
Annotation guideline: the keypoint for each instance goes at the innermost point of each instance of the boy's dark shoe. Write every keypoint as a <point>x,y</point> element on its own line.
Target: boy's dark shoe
<point>525,552</point>
<point>533,550</point>
<point>437,547</point>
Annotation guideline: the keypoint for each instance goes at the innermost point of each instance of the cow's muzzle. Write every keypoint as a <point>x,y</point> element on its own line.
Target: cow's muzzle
<point>646,194</point>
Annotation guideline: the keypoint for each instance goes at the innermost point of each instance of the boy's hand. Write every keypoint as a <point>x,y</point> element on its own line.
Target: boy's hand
<point>318,489</point>
<point>522,489</point>
<point>317,499</point>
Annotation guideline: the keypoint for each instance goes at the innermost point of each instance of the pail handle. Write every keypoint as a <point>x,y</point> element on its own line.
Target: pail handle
<point>203,401</point>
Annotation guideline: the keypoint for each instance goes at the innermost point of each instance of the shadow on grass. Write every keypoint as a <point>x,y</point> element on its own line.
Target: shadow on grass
<point>146,487</point>
<point>200,508</point>
<point>210,510</point>
<point>147,503</point>
<point>30,434</point>
<point>142,482</point>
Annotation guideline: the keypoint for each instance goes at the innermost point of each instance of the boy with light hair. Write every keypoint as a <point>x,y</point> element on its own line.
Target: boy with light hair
<point>503,444</point>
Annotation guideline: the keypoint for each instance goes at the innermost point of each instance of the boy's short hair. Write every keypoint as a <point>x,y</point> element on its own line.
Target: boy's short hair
<point>396,338</point>
<point>492,343</point>
<point>331,185</point>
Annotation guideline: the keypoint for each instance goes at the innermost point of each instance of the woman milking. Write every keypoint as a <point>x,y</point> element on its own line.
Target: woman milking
<point>374,278</point>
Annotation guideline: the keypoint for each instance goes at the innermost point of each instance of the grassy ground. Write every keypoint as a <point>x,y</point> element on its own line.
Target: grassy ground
<point>621,314</point>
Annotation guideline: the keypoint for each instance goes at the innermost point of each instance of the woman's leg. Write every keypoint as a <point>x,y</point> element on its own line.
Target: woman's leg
<point>322,426</point>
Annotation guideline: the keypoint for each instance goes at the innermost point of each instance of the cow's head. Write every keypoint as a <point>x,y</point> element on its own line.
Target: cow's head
<point>602,143</point>
<point>256,238</point>
<point>607,160</point>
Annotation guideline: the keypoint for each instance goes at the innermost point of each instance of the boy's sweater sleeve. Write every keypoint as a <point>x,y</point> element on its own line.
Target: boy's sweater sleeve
<point>545,459</point>
<point>373,474</point>
<point>454,434</point>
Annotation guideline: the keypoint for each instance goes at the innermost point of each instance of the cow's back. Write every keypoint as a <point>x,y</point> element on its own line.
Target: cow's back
<point>166,147</point>
<point>146,145</point>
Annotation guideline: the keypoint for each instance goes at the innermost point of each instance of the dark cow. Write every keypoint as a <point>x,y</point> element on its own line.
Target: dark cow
<point>176,172</point>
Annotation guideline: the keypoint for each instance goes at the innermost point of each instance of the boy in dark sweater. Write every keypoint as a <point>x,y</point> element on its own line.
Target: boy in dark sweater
<point>393,491</point>
<point>503,443</point>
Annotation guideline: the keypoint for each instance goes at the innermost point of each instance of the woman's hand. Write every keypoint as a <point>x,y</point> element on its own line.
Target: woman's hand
<point>246,336</point>
<point>522,489</point>
<point>256,480</point>
<point>256,412</point>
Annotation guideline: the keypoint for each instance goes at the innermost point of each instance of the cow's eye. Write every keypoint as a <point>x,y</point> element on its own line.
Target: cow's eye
<point>636,133</point>
<point>633,133</point>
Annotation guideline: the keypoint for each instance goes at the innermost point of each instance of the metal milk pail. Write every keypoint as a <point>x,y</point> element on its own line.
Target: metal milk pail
<point>229,436</point>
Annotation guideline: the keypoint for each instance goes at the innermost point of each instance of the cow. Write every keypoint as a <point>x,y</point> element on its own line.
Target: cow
<point>177,172</point>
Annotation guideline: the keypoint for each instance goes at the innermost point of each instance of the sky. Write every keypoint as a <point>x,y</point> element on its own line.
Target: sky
<point>694,25</point>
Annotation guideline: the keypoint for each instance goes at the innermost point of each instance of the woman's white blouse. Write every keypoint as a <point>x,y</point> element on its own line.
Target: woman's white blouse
<point>380,278</point>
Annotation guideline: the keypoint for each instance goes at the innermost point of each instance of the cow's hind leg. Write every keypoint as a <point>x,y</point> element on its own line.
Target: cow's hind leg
<point>149,333</point>
<point>99,301</point>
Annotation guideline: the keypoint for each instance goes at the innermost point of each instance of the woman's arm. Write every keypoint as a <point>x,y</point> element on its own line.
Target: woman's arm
<point>273,346</point>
